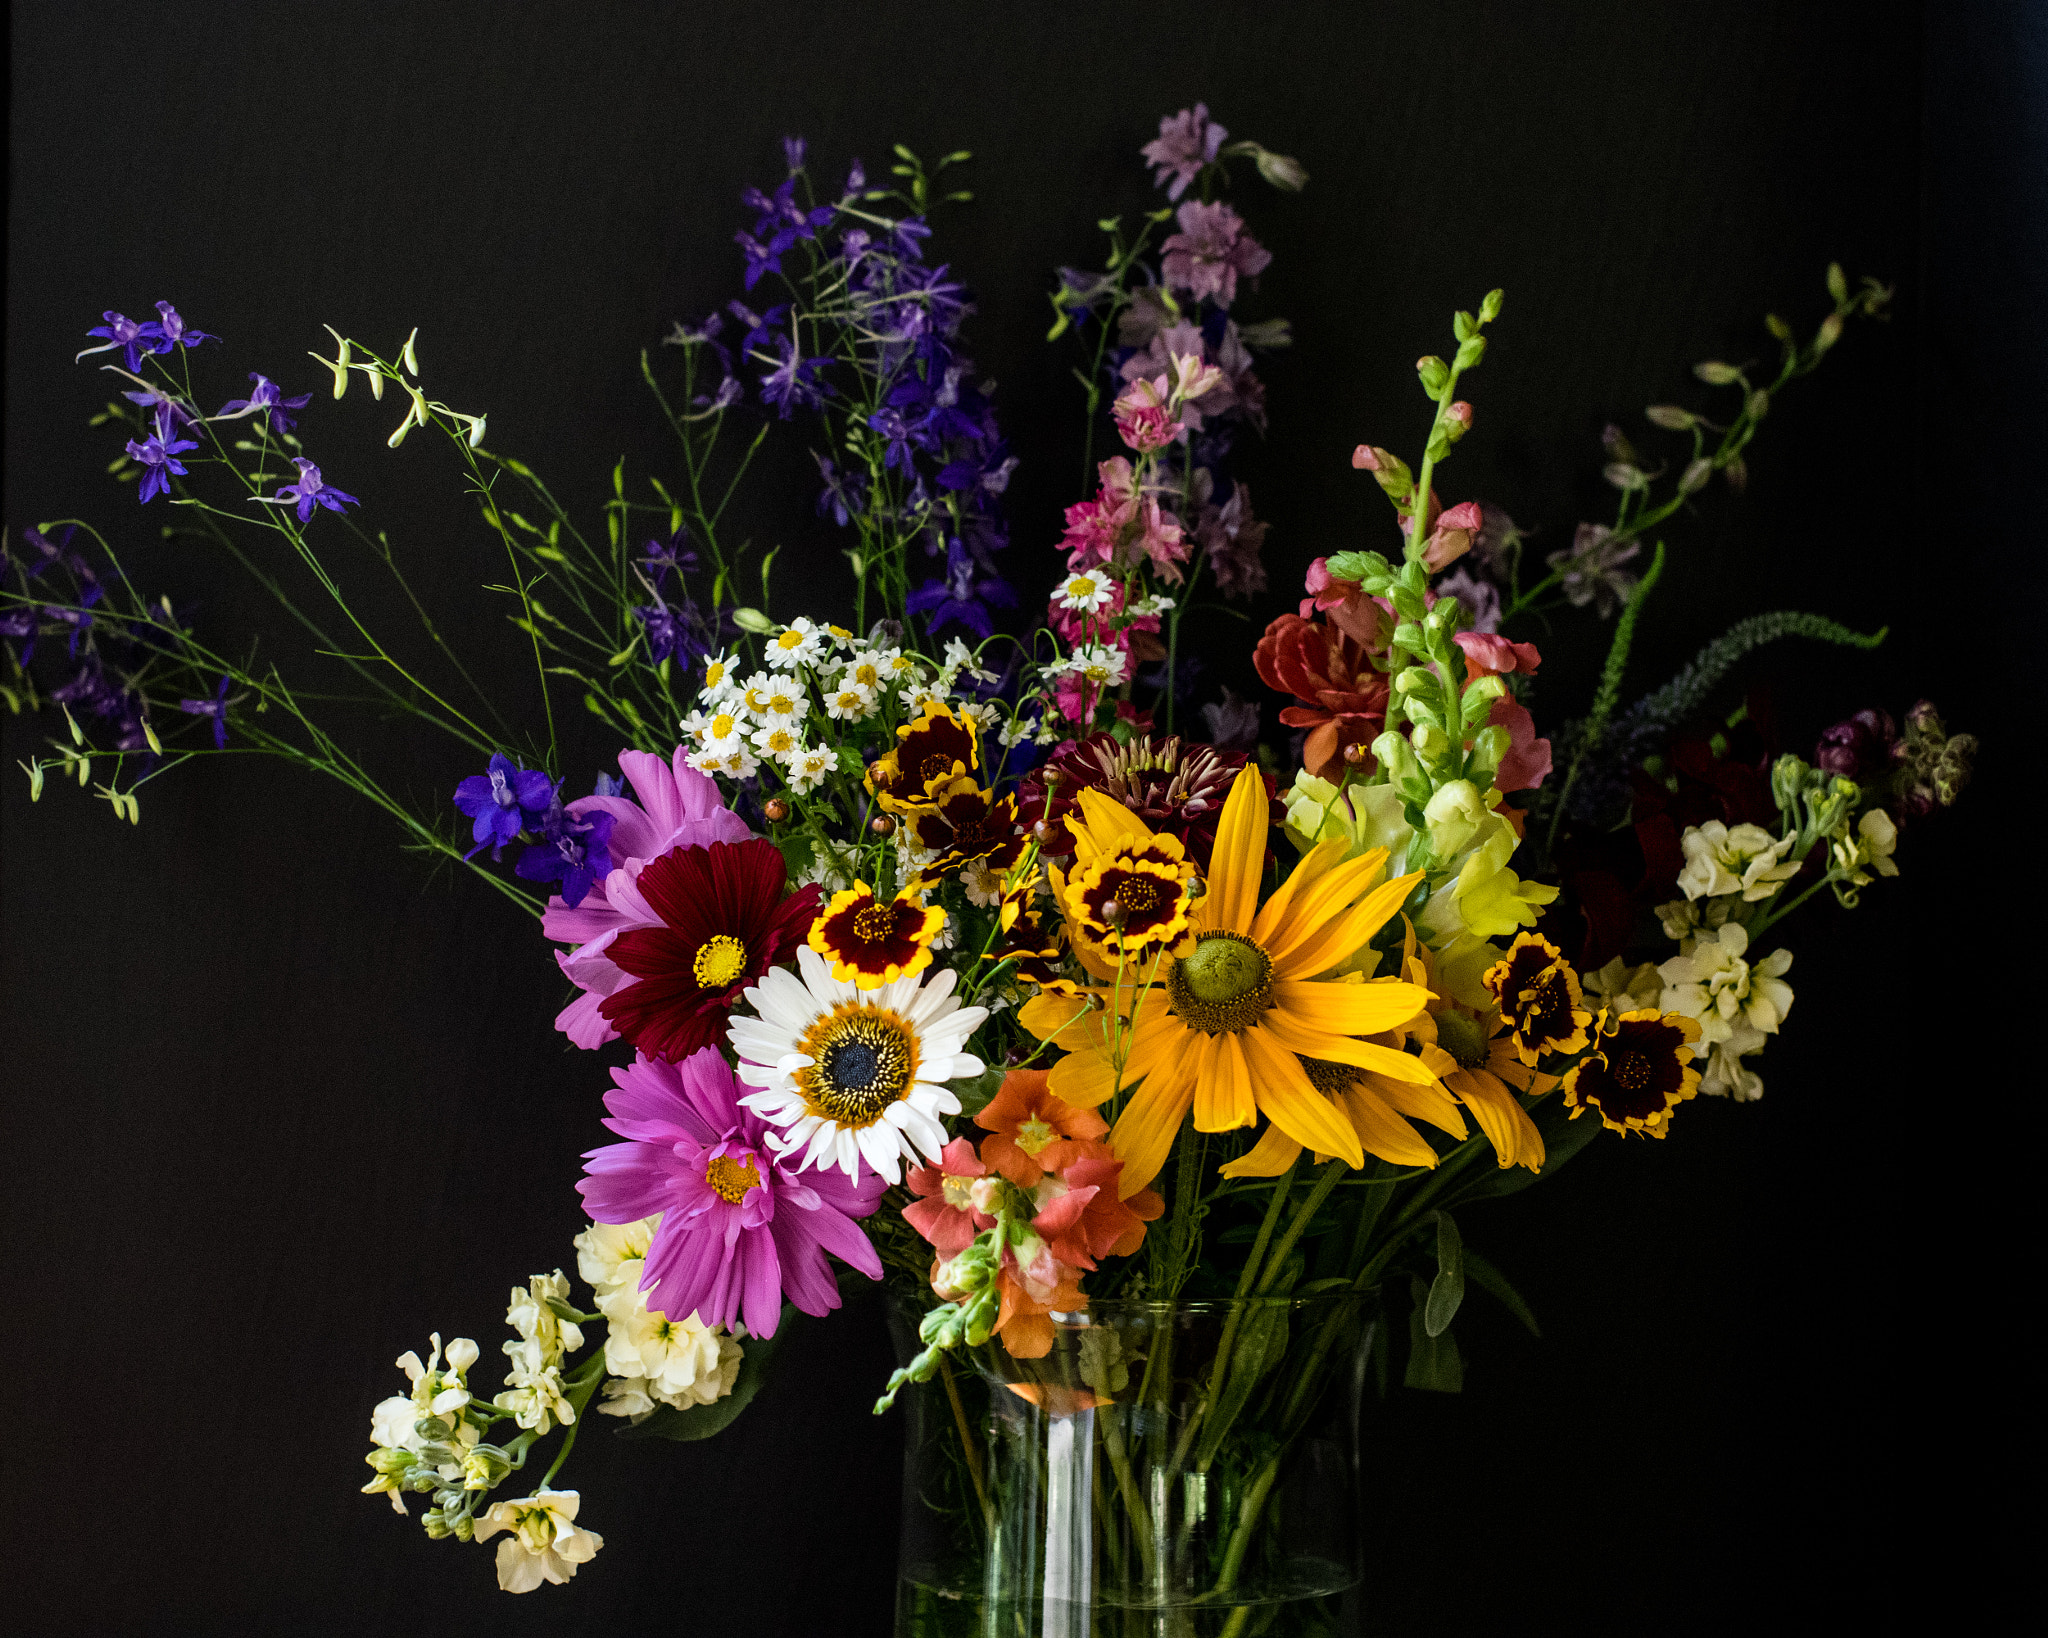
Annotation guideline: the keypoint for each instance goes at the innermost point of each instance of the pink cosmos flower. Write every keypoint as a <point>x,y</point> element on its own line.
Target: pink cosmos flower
<point>944,1212</point>
<point>678,807</point>
<point>740,1230</point>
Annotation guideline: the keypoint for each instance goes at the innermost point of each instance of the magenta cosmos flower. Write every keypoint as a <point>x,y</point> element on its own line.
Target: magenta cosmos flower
<point>677,807</point>
<point>739,1229</point>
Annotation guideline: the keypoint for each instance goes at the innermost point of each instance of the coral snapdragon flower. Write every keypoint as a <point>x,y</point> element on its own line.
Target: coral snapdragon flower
<point>1031,1132</point>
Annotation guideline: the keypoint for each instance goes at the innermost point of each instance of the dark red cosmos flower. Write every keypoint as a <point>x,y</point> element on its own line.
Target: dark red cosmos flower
<point>1344,700</point>
<point>1177,788</point>
<point>725,924</point>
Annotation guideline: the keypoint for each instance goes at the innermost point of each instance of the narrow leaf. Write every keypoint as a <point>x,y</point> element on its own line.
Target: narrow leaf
<point>1490,1280</point>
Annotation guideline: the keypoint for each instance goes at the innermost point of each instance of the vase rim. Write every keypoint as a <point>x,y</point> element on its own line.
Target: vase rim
<point>1094,1312</point>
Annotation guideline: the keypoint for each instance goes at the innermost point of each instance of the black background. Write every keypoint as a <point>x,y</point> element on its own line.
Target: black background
<point>278,1104</point>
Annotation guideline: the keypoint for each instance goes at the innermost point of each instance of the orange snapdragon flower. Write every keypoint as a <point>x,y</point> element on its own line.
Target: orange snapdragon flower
<point>1031,1132</point>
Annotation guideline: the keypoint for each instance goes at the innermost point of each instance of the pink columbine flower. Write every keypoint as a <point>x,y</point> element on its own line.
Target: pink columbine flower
<point>1143,419</point>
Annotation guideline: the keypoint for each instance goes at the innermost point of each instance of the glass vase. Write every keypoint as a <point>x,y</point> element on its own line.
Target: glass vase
<point>1167,1469</point>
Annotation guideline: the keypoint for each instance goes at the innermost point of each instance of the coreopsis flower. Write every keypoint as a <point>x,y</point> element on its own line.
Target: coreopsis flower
<point>1592,571</point>
<point>871,942</point>
<point>502,801</point>
<point>1638,1071</point>
<point>1187,141</point>
<point>1713,983</point>
<point>1539,998</point>
<point>966,826</point>
<point>1343,697</point>
<point>1032,1132</point>
<point>1127,898</point>
<point>310,491</point>
<point>1210,253</point>
<point>929,754</point>
<point>705,923</point>
<point>740,1230</point>
<point>1746,859</point>
<point>1223,1036</point>
<point>546,1543</point>
<point>851,1075</point>
<point>944,1211</point>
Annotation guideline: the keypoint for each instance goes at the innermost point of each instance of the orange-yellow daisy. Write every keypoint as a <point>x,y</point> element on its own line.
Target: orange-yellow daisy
<point>1224,1033</point>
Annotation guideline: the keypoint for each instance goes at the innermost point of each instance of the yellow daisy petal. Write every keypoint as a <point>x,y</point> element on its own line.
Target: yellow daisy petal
<point>1223,1086</point>
<point>1500,1115</point>
<point>1348,1009</point>
<point>1269,1157</point>
<point>1418,1100</point>
<point>1292,1104</point>
<point>1085,1078</point>
<point>1239,857</point>
<point>1382,1131</point>
<point>1143,1135</point>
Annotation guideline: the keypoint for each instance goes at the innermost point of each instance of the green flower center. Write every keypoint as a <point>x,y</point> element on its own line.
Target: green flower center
<point>1462,1038</point>
<point>1223,984</point>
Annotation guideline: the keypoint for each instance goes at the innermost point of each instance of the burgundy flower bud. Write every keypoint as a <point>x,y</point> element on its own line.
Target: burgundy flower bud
<point>1859,748</point>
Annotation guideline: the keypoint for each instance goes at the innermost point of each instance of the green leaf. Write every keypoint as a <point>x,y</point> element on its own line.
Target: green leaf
<point>1490,1280</point>
<point>975,1095</point>
<point>1447,1290</point>
<point>702,1421</point>
<point>1260,1346</point>
<point>1434,1364</point>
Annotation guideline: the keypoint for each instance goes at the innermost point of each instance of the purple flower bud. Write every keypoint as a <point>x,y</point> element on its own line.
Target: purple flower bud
<point>1859,748</point>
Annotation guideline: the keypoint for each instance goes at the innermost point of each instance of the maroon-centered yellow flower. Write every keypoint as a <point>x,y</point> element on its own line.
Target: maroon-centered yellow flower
<point>1224,1035</point>
<point>929,754</point>
<point>1539,996</point>
<point>871,942</point>
<point>1638,1071</point>
<point>967,825</point>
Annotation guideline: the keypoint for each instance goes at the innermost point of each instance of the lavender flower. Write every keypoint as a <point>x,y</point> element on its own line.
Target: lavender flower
<point>1211,252</point>
<point>1187,141</point>
<point>158,460</point>
<point>265,398</point>
<point>502,800</point>
<point>1234,540</point>
<point>216,708</point>
<point>310,491</point>
<point>1592,569</point>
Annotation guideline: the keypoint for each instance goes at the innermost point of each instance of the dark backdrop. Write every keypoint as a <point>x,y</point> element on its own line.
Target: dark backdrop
<point>278,1104</point>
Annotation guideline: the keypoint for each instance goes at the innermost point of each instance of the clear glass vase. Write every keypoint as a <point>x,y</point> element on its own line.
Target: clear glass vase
<point>1168,1469</point>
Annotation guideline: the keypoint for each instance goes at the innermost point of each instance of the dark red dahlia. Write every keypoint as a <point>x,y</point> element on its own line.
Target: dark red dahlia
<point>724,924</point>
<point>1177,788</point>
<point>1343,698</point>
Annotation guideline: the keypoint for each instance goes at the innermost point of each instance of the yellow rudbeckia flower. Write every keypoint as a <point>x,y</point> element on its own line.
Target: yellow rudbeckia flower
<point>1223,1033</point>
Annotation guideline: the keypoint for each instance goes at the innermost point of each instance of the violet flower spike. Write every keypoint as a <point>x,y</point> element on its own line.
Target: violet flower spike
<point>310,491</point>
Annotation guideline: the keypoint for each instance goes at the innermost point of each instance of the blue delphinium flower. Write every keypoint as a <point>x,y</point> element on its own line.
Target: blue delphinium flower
<point>793,383</point>
<point>574,852</point>
<point>965,597</point>
<point>158,458</point>
<point>132,337</point>
<point>170,330</point>
<point>216,708</point>
<point>502,801</point>
<point>265,398</point>
<point>674,553</point>
<point>310,491</point>
<point>168,411</point>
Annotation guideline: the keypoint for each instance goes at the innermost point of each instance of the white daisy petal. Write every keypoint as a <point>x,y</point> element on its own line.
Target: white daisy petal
<point>848,1152</point>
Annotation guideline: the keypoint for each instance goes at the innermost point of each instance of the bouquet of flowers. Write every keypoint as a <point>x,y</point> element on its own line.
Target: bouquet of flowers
<point>935,947</point>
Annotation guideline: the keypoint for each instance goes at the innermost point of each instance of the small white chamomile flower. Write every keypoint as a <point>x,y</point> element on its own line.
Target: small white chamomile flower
<point>1087,591</point>
<point>720,678</point>
<point>799,643</point>
<point>777,740</point>
<point>850,702</point>
<point>720,729</point>
<point>807,766</point>
<point>959,657</point>
<point>776,699</point>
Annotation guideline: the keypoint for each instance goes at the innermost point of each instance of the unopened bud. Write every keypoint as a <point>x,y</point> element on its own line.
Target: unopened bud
<point>1695,475</point>
<point>1111,914</point>
<point>775,810</point>
<point>1838,284</point>
<point>1434,373</point>
<point>1283,172</point>
<point>1759,404</point>
<point>1489,309</point>
<point>1458,420</point>
<point>882,825</point>
<point>1830,333</point>
<point>1778,327</point>
<point>1669,416</point>
<point>1788,778</point>
<point>1489,746</point>
<point>1716,374</point>
<point>1355,753</point>
<point>1737,474</point>
<point>986,1193</point>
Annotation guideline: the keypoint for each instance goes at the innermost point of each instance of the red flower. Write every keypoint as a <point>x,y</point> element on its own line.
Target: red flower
<point>1081,1217</point>
<point>944,1212</point>
<point>725,923</point>
<point>1344,700</point>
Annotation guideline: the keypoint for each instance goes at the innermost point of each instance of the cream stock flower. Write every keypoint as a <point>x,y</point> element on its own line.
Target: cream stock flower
<point>546,1544</point>
<point>1716,985</point>
<point>1746,860</point>
<point>1869,849</point>
<point>680,1362</point>
<point>610,1256</point>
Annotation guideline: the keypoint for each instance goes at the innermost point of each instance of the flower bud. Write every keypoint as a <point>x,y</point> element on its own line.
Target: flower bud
<point>986,1193</point>
<point>1737,474</point>
<point>1393,753</point>
<point>753,620</point>
<point>1431,744</point>
<point>1355,753</point>
<point>1434,373</point>
<point>882,825</point>
<point>1283,172</point>
<point>1695,475</point>
<point>1489,746</point>
<point>775,810</point>
<point>1838,284</point>
<point>1789,776</point>
<point>1830,333</point>
<point>1489,309</point>
<point>1624,476</point>
<point>1457,420</point>
<point>1777,326</point>
<point>1759,404</point>
<point>1670,417</point>
<point>1716,374</point>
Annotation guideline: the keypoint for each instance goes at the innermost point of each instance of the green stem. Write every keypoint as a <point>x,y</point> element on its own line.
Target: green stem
<point>1325,1182</point>
<point>584,1385</point>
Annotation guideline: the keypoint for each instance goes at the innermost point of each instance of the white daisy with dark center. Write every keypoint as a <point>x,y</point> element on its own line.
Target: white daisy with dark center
<point>849,1074</point>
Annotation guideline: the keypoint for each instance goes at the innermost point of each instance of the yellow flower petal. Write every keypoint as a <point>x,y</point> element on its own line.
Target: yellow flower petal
<point>1269,1157</point>
<point>1348,1009</point>
<point>1085,1078</point>
<point>1292,1104</point>
<point>1274,917</point>
<point>1239,858</point>
<point>1501,1117</point>
<point>1418,1100</point>
<point>1382,1131</point>
<point>1223,1086</point>
<point>1331,937</point>
<point>1143,1135</point>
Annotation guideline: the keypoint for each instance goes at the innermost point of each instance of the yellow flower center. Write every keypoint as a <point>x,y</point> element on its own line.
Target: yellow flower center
<point>719,961</point>
<point>863,1058</point>
<point>1328,1078</point>
<point>1462,1038</point>
<point>1033,1135</point>
<point>958,1192</point>
<point>1080,586</point>
<point>1137,896</point>
<point>1223,985</point>
<point>714,674</point>
<point>873,922</point>
<point>867,676</point>
<point>789,640</point>
<point>723,724</point>
<point>730,1179</point>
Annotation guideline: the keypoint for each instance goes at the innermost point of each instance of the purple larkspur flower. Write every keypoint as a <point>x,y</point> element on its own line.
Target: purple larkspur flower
<point>967,596</point>
<point>216,708</point>
<point>740,1229</point>
<point>502,800</point>
<point>1211,253</point>
<point>1480,596</point>
<point>1187,141</point>
<point>158,458</point>
<point>1592,569</point>
<point>266,398</point>
<point>170,330</point>
<point>131,336</point>
<point>169,411</point>
<point>576,852</point>
<point>310,491</point>
<point>671,554</point>
<point>793,383</point>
